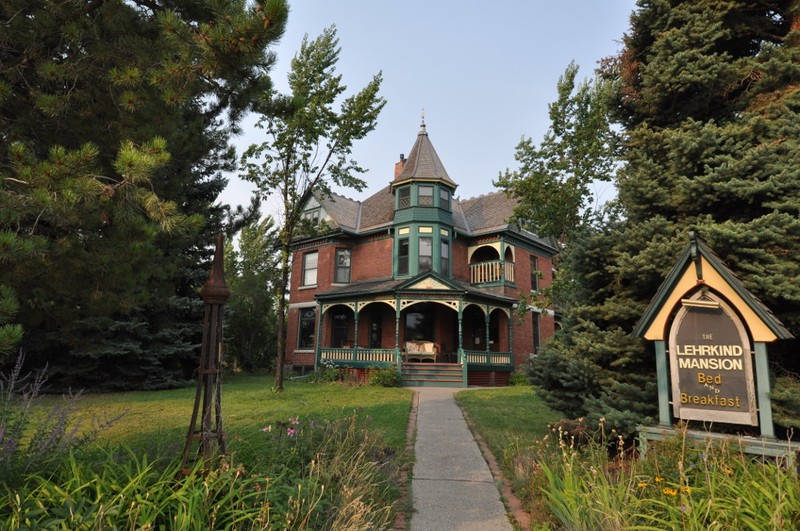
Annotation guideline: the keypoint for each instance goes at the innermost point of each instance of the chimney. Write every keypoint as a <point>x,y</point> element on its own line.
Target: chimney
<point>398,166</point>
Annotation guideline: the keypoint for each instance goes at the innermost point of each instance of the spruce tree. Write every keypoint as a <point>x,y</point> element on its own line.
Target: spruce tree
<point>112,298</point>
<point>708,102</point>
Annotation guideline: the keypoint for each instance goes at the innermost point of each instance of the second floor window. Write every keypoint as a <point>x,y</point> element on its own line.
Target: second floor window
<point>341,273</point>
<point>426,195</point>
<point>425,254</point>
<point>445,259</point>
<point>404,197</point>
<point>444,199</point>
<point>402,257</point>
<point>310,268</point>
<point>534,273</point>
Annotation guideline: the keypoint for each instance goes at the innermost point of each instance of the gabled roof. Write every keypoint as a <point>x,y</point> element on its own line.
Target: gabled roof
<point>423,163</point>
<point>699,266</point>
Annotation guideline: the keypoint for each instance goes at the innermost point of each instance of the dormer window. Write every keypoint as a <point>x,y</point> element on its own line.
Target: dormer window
<point>426,195</point>
<point>404,197</point>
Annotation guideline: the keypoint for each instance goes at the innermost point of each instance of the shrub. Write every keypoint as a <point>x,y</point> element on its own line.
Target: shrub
<point>389,377</point>
<point>519,376</point>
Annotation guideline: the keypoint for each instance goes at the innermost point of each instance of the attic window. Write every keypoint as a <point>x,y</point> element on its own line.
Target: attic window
<point>312,215</point>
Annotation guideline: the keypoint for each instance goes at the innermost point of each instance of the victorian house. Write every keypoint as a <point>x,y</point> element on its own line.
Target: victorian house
<point>414,278</point>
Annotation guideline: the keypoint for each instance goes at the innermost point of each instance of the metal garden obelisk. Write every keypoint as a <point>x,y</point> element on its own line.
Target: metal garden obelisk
<point>214,293</point>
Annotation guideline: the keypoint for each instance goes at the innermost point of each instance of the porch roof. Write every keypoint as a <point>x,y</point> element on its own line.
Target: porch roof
<point>424,283</point>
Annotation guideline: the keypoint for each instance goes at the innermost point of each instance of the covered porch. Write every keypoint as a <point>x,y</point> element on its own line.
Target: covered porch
<point>426,320</point>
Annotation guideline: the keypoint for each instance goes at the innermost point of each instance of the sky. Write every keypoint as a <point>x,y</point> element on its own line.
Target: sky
<point>483,73</point>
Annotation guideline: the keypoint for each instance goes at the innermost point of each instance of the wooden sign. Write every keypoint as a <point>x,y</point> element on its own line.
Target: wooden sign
<point>711,363</point>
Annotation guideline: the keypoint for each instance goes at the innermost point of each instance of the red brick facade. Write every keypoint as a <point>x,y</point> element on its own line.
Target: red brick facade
<point>450,273</point>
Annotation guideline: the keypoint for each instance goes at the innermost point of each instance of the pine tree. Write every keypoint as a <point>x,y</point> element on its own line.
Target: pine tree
<point>709,105</point>
<point>112,298</point>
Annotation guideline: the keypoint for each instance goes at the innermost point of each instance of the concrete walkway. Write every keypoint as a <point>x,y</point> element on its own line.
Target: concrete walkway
<point>452,487</point>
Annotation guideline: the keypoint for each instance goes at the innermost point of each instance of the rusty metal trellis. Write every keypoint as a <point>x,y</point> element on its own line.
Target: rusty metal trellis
<point>214,293</point>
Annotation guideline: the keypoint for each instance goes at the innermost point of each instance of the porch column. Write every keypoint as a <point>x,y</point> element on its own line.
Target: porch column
<point>487,319</point>
<point>397,332</point>
<point>511,335</point>
<point>318,348</point>
<point>460,333</point>
<point>355,332</point>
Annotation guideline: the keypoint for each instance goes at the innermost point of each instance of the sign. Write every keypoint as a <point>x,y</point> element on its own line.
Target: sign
<point>711,363</point>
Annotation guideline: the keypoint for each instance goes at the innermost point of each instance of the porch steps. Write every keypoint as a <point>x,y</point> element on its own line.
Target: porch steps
<point>432,375</point>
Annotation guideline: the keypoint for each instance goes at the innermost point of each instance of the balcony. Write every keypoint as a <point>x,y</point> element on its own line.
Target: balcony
<point>493,271</point>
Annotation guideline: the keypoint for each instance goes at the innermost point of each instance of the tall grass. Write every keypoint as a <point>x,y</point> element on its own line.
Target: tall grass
<point>314,457</point>
<point>679,484</point>
<point>332,475</point>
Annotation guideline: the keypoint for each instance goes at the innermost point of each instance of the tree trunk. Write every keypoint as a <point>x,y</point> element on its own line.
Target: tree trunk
<point>282,340</point>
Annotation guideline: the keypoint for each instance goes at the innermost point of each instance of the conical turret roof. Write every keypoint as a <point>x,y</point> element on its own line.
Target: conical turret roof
<point>423,163</point>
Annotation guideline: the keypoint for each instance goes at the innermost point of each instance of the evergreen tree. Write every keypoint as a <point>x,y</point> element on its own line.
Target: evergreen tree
<point>309,146</point>
<point>89,93</point>
<point>708,101</point>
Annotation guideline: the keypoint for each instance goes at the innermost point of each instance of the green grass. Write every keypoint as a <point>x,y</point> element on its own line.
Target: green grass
<point>159,420</point>
<point>507,417</point>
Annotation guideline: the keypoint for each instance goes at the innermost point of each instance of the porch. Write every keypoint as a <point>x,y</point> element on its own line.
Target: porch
<point>468,367</point>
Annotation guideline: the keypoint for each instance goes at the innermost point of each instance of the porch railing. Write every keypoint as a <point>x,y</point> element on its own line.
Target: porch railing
<point>358,355</point>
<point>481,357</point>
<point>492,271</point>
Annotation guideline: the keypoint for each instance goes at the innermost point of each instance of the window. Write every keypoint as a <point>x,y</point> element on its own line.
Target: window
<point>402,257</point>
<point>444,199</point>
<point>426,195</point>
<point>404,197</point>
<point>535,318</point>
<point>445,259</point>
<point>375,328</point>
<point>310,268</point>
<point>534,273</point>
<point>341,273</point>
<point>305,331</point>
<point>425,254</point>
<point>340,328</point>
<point>419,323</point>
<point>312,215</point>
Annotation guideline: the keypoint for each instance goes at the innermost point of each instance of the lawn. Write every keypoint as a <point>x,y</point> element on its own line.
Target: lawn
<point>507,417</point>
<point>159,420</point>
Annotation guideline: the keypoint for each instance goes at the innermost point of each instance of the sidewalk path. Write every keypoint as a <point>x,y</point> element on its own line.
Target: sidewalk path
<point>452,487</point>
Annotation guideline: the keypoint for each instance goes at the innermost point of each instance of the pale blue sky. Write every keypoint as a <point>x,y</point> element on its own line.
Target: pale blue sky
<point>484,73</point>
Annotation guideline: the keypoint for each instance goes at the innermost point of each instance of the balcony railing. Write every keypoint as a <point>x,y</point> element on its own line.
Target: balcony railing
<point>492,271</point>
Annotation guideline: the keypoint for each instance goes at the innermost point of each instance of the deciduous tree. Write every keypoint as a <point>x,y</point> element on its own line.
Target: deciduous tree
<point>309,147</point>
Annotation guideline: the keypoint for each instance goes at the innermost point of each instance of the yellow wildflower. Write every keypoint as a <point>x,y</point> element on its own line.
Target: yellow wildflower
<point>669,492</point>
<point>641,484</point>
